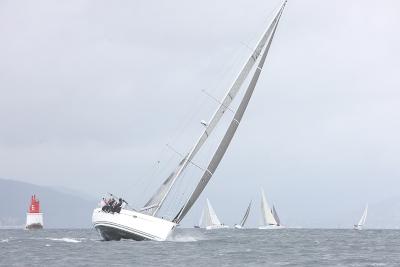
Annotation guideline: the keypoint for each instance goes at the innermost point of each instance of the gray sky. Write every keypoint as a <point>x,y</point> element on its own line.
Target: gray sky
<point>91,91</point>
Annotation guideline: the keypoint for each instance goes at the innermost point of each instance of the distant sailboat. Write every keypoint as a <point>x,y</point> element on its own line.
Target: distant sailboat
<point>147,222</point>
<point>243,221</point>
<point>269,216</point>
<point>209,219</point>
<point>361,222</point>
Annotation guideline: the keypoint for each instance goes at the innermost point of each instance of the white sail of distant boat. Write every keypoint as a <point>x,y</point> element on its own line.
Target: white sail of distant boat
<point>269,216</point>
<point>275,214</point>
<point>246,215</point>
<point>201,220</point>
<point>209,219</point>
<point>147,223</point>
<point>361,222</point>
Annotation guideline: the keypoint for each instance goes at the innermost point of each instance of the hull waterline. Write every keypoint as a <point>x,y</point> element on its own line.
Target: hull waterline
<point>130,224</point>
<point>215,227</point>
<point>34,226</point>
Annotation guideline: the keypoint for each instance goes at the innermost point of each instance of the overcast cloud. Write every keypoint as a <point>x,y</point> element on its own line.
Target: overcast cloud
<point>91,91</point>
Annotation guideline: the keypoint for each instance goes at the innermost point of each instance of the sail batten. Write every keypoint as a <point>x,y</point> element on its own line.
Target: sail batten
<point>226,140</point>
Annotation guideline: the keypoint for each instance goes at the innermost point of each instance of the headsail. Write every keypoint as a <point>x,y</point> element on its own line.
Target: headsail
<point>268,217</point>
<point>275,214</point>
<point>209,217</point>
<point>156,201</point>
<point>223,146</point>
<point>246,215</point>
<point>212,214</point>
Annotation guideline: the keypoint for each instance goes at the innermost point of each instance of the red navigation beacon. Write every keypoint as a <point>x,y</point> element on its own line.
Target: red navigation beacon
<point>35,206</point>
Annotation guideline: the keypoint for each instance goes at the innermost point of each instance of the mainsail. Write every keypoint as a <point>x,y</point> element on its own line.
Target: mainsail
<point>363,217</point>
<point>226,140</point>
<point>275,214</point>
<point>154,204</point>
<point>268,217</point>
<point>246,215</point>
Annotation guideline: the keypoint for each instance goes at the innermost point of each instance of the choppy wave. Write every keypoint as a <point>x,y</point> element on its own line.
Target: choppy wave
<point>67,239</point>
<point>225,247</point>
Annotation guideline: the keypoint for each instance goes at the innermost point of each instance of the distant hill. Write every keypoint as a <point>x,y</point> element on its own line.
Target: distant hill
<point>61,208</point>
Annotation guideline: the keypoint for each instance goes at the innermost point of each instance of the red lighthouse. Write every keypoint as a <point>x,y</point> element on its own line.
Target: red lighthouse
<point>34,218</point>
<point>35,205</point>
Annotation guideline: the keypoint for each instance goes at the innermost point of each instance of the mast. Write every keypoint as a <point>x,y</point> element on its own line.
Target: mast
<point>154,204</point>
<point>246,215</point>
<point>226,140</point>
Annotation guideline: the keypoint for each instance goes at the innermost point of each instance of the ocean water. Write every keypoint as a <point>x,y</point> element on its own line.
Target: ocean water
<point>196,247</point>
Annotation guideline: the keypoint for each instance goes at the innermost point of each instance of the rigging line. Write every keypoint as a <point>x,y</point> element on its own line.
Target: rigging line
<point>180,154</point>
<point>148,178</point>
<point>187,120</point>
<point>171,158</point>
<point>149,173</point>
<point>168,209</point>
<point>199,105</point>
<point>247,46</point>
<point>217,100</point>
<point>265,20</point>
<point>227,70</point>
<point>222,74</point>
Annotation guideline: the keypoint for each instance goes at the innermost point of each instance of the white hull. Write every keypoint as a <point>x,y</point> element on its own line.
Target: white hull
<point>271,227</point>
<point>130,224</point>
<point>358,227</point>
<point>217,226</point>
<point>237,226</point>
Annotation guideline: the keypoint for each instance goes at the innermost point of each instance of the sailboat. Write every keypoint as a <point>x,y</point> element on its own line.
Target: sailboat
<point>243,221</point>
<point>209,219</point>
<point>361,222</point>
<point>147,223</point>
<point>269,216</point>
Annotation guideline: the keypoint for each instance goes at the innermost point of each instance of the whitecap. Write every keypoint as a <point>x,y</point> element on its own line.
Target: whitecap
<point>185,237</point>
<point>4,241</point>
